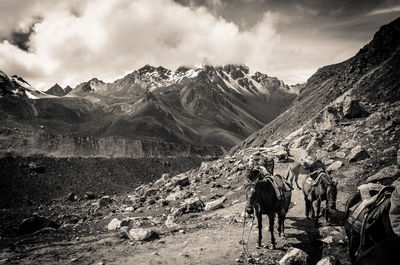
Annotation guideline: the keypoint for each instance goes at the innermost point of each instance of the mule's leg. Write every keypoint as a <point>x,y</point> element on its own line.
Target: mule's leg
<point>259,221</point>
<point>312,209</point>
<point>327,215</point>
<point>307,207</point>
<point>281,224</point>
<point>297,181</point>
<point>271,218</point>
<point>318,210</point>
<point>354,242</point>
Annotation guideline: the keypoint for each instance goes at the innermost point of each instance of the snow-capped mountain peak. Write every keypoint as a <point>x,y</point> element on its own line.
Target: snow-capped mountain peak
<point>17,86</point>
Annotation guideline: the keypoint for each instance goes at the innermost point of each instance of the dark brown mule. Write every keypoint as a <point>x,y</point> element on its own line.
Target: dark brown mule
<point>375,223</point>
<point>383,253</point>
<point>262,198</point>
<point>324,189</point>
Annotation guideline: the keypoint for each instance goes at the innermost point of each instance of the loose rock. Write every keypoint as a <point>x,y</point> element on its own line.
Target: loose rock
<point>333,147</point>
<point>335,166</point>
<point>294,256</point>
<point>104,201</point>
<point>114,224</point>
<point>352,108</point>
<point>357,154</point>
<point>215,204</point>
<point>141,234</point>
<point>181,180</point>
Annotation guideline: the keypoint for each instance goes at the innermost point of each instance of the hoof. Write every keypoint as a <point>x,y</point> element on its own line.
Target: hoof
<point>273,246</point>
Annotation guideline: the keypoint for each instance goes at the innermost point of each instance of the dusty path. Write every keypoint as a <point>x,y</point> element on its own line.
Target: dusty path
<point>200,238</point>
<point>215,240</point>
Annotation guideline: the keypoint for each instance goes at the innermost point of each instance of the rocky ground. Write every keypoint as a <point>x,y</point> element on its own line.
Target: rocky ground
<point>197,217</point>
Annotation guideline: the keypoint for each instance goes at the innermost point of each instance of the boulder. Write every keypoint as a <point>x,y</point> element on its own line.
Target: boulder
<point>141,234</point>
<point>333,147</point>
<point>352,108</point>
<point>357,154</point>
<point>212,205</point>
<point>334,166</point>
<point>193,205</point>
<point>386,174</point>
<point>160,182</point>
<point>340,154</point>
<point>177,195</point>
<point>333,234</point>
<point>294,256</point>
<point>330,260</point>
<point>150,192</point>
<point>129,209</point>
<point>114,224</point>
<point>178,210</point>
<point>35,223</point>
<point>180,180</point>
<point>104,201</point>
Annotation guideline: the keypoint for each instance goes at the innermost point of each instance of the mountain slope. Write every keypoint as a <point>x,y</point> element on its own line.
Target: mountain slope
<point>371,76</point>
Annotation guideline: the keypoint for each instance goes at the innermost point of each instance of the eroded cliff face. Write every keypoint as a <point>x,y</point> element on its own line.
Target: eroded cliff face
<point>108,147</point>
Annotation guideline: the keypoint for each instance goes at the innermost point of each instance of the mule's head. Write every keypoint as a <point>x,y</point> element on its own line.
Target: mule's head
<point>331,193</point>
<point>251,190</point>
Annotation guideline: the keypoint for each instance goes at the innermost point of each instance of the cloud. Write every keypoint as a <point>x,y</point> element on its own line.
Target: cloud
<point>76,40</point>
<point>109,39</point>
<point>385,10</point>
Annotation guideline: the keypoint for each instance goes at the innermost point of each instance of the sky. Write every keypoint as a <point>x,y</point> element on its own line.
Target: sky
<point>71,41</point>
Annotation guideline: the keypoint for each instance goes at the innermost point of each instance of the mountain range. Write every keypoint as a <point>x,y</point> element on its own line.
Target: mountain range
<point>200,106</point>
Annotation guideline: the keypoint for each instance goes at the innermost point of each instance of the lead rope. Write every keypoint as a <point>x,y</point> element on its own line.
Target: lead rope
<point>245,244</point>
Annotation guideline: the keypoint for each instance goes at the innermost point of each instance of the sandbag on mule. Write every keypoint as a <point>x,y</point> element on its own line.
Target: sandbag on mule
<point>369,190</point>
<point>371,208</point>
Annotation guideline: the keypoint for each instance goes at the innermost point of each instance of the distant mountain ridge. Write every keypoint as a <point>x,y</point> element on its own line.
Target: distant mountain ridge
<point>205,106</point>
<point>56,90</point>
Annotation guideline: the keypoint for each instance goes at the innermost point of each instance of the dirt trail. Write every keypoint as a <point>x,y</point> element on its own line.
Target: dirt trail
<point>199,238</point>
<point>207,238</point>
<point>215,242</point>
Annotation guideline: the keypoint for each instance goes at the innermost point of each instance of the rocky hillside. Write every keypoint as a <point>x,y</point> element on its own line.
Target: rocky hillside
<point>370,76</point>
